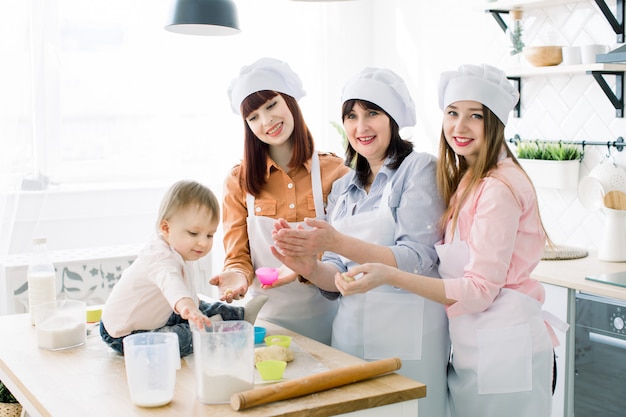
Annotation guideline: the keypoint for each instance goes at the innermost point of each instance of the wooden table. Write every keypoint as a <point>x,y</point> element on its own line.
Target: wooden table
<point>90,380</point>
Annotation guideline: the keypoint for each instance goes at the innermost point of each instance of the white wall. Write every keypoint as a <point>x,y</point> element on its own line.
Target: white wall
<point>421,39</point>
<point>414,38</point>
<point>81,216</point>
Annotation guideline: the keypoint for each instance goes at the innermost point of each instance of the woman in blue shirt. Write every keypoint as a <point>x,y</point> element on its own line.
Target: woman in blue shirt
<point>386,210</point>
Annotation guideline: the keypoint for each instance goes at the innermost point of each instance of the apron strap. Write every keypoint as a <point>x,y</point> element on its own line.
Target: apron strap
<point>250,204</point>
<point>384,199</point>
<point>316,182</point>
<point>553,322</point>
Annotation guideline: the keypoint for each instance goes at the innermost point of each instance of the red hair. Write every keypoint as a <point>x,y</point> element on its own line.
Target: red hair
<point>255,151</point>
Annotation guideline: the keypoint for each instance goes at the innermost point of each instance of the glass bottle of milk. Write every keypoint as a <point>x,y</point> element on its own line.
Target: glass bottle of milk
<point>41,277</point>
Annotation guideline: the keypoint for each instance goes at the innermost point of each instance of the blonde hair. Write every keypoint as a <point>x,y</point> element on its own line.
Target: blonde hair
<point>452,169</point>
<point>184,194</point>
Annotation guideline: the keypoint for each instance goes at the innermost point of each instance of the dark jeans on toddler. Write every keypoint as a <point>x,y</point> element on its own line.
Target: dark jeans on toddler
<point>180,326</point>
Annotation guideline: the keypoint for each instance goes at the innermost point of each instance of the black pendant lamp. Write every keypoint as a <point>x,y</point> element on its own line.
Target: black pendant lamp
<point>205,17</point>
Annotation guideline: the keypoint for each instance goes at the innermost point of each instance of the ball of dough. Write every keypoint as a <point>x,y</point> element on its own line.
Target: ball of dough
<point>347,278</point>
<point>274,352</point>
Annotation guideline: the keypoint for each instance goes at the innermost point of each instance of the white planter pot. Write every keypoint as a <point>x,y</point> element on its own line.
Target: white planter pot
<point>552,174</point>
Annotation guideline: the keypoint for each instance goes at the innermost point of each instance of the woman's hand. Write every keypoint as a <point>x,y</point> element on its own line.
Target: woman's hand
<point>301,241</point>
<point>302,265</point>
<point>363,278</point>
<point>232,285</point>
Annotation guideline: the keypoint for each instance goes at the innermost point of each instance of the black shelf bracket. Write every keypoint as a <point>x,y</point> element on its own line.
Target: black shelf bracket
<point>615,20</point>
<point>616,97</point>
<point>517,110</point>
<point>497,15</point>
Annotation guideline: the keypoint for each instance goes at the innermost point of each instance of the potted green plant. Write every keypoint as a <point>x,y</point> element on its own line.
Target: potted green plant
<point>9,407</point>
<point>550,164</point>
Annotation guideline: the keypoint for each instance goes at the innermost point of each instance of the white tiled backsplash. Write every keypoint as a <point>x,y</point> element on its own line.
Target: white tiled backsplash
<point>569,107</point>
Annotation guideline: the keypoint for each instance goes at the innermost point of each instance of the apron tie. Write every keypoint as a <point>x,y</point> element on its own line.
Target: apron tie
<point>553,322</point>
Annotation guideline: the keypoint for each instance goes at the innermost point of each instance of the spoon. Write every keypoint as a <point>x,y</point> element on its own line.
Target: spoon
<point>615,200</point>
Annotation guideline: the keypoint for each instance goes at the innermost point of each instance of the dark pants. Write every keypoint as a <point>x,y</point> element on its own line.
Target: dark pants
<point>180,326</point>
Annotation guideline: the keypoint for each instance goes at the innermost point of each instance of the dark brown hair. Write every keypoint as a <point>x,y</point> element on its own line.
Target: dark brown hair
<point>398,148</point>
<point>254,163</point>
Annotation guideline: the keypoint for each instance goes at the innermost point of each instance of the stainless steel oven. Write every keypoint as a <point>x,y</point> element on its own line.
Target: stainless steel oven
<point>600,357</point>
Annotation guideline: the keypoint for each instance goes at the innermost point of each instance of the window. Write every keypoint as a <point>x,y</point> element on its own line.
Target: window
<point>97,90</point>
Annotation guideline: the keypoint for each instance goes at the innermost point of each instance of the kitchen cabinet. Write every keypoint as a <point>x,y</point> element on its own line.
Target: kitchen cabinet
<point>562,279</point>
<point>560,302</point>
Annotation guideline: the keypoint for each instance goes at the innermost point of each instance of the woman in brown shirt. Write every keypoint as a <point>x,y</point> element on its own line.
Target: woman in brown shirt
<point>281,175</point>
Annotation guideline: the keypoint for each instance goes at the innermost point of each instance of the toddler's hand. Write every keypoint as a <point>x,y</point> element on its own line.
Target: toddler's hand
<point>189,311</point>
<point>199,319</point>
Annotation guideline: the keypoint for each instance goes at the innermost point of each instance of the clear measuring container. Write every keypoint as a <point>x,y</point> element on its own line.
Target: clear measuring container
<point>223,360</point>
<point>151,359</point>
<point>60,324</point>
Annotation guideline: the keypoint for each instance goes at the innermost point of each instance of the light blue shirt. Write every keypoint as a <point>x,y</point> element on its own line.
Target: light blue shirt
<point>415,203</point>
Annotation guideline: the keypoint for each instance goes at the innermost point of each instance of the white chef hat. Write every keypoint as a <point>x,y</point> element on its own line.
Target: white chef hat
<point>482,83</point>
<point>264,74</point>
<point>384,88</point>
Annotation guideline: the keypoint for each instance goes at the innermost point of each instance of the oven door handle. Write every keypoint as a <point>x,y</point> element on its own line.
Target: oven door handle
<point>607,340</point>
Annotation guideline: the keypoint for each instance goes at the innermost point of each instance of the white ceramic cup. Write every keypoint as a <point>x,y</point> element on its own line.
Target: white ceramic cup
<point>588,52</point>
<point>571,55</point>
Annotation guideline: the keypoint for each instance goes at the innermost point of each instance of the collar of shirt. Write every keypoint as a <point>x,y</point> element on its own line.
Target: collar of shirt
<point>381,179</point>
<point>271,164</point>
<point>167,248</point>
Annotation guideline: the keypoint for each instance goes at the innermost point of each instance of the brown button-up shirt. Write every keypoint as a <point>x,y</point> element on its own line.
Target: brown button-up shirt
<point>287,195</point>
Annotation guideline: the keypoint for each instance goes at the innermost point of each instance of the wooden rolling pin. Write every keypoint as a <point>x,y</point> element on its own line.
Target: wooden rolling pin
<point>313,383</point>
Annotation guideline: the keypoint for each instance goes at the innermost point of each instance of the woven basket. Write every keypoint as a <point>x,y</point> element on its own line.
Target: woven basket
<point>10,409</point>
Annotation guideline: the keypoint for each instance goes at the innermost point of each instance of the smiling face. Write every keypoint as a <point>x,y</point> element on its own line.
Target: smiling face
<point>369,132</point>
<point>272,122</point>
<point>190,231</point>
<point>464,128</point>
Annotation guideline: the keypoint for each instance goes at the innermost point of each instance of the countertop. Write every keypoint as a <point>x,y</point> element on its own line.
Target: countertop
<point>572,273</point>
<point>91,380</point>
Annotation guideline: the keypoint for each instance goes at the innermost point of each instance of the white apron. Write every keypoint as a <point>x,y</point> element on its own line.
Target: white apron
<point>296,306</point>
<point>501,357</point>
<point>390,322</point>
